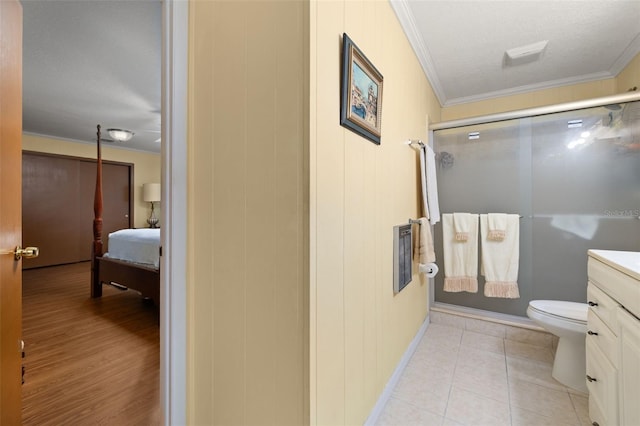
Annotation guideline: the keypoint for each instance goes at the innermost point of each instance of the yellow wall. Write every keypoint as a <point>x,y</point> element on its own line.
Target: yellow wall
<point>292,317</point>
<point>146,165</point>
<point>358,192</point>
<point>557,95</point>
<point>247,214</point>
<point>630,76</point>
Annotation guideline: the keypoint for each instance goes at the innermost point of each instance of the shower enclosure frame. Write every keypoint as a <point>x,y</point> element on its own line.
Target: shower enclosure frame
<point>504,116</point>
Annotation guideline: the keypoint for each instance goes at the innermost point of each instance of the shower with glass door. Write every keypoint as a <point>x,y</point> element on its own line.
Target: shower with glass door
<point>573,176</point>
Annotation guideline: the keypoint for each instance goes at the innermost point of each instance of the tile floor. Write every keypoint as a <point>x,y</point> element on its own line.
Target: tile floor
<point>459,376</point>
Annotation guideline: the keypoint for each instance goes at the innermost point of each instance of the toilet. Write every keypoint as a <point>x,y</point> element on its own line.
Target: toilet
<point>568,321</point>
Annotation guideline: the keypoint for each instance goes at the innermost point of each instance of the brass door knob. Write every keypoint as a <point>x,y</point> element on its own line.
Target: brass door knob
<point>27,252</point>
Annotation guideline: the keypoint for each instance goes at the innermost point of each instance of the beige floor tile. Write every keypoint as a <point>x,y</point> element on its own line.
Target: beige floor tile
<point>484,384</point>
<point>449,422</point>
<point>554,404</point>
<point>430,393</point>
<point>443,331</point>
<point>533,337</point>
<point>522,417</point>
<point>471,339</point>
<point>581,405</point>
<point>474,377</point>
<point>446,319</point>
<point>469,408</point>
<point>402,413</point>
<point>533,371</point>
<point>485,327</point>
<point>431,355</point>
<point>477,358</point>
<point>528,351</point>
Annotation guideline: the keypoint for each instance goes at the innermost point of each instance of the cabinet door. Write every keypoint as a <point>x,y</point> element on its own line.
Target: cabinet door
<point>603,384</point>
<point>629,365</point>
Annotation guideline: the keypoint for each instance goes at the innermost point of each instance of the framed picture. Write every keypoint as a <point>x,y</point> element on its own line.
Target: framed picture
<point>361,100</point>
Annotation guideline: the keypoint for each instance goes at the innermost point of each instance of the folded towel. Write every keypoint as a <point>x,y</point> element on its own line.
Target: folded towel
<point>497,224</point>
<point>460,258</point>
<point>424,251</point>
<point>500,259</point>
<point>432,187</point>
<point>461,224</point>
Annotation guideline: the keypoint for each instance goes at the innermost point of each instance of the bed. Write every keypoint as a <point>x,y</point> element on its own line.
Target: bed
<point>134,254</point>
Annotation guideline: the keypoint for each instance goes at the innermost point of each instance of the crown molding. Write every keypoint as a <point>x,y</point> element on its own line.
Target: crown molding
<point>403,12</point>
<point>627,55</point>
<point>528,88</point>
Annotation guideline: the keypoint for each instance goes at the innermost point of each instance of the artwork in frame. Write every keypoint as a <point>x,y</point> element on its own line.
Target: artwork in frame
<point>361,100</point>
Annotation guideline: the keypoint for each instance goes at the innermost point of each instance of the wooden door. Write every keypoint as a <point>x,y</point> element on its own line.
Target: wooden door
<point>10,211</point>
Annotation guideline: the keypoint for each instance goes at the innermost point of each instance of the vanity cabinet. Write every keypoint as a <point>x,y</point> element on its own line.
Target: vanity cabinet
<point>629,350</point>
<point>613,337</point>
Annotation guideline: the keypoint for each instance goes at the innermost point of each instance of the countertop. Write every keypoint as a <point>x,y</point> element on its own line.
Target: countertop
<point>627,262</point>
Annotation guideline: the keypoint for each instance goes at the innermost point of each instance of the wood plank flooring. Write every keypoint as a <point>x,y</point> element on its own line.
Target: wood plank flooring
<point>88,361</point>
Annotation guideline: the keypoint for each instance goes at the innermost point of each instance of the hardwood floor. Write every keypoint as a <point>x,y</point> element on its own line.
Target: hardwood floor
<point>88,361</point>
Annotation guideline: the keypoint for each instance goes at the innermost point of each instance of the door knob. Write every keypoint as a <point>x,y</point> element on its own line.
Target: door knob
<point>27,252</point>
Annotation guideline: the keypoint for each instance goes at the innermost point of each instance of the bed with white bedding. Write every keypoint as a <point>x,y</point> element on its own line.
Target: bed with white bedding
<point>133,261</point>
<point>136,246</point>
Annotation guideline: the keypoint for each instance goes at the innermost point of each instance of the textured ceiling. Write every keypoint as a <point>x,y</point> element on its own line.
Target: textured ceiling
<point>461,44</point>
<point>98,61</point>
<point>92,62</point>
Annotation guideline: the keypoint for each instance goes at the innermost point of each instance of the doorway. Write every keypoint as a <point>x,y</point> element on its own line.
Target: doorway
<point>173,263</point>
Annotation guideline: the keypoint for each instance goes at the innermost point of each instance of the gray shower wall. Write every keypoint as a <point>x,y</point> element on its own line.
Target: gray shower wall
<point>574,192</point>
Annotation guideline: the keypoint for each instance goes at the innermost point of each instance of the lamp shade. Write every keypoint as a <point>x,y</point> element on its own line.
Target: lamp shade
<point>151,192</point>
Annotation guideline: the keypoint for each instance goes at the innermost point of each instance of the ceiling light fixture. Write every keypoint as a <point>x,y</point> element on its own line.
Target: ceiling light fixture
<point>120,135</point>
<point>525,54</point>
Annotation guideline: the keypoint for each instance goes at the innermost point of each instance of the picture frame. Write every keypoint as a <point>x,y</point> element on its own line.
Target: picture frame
<point>361,93</point>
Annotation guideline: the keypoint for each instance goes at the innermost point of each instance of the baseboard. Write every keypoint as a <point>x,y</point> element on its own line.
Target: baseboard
<point>395,377</point>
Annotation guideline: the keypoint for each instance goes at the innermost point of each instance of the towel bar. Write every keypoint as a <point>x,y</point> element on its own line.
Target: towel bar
<point>415,141</point>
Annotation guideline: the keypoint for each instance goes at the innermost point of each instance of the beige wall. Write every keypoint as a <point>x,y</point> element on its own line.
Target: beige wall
<point>292,317</point>
<point>146,168</point>
<point>629,77</point>
<point>557,95</point>
<point>248,214</point>
<point>358,192</point>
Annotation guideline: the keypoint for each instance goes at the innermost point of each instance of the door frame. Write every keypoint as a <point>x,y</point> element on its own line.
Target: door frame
<point>173,309</point>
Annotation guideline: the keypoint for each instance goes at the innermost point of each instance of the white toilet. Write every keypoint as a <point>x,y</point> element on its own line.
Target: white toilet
<point>568,321</point>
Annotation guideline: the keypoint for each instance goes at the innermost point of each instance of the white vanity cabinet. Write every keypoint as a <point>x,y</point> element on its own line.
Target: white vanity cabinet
<point>613,337</point>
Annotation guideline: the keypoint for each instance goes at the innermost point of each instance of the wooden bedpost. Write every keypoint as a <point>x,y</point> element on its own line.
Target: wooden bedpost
<point>96,248</point>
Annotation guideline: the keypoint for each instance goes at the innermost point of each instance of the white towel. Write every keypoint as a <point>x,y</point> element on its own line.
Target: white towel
<point>424,251</point>
<point>461,224</point>
<point>500,259</point>
<point>497,226</point>
<point>432,187</point>
<point>423,181</point>
<point>460,257</point>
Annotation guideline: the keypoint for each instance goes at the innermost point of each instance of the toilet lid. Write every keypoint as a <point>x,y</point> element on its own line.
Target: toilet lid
<point>560,308</point>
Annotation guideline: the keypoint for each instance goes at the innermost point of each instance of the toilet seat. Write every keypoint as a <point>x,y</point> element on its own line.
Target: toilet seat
<point>568,311</point>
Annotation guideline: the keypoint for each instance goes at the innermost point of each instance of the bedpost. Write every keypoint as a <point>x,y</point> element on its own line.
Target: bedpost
<point>96,248</point>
